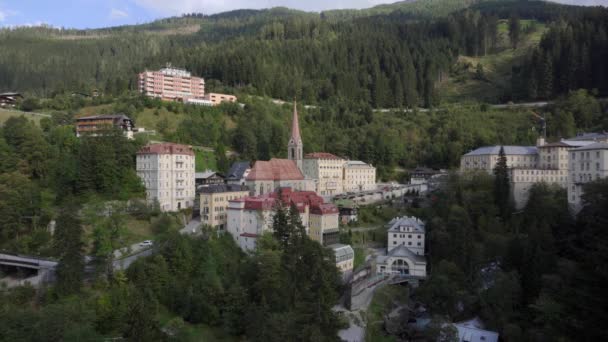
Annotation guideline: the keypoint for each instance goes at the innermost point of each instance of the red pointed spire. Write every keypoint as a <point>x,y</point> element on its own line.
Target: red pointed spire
<point>295,125</point>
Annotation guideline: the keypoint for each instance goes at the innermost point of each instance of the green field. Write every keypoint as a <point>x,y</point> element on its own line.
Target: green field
<point>462,84</point>
<point>5,114</point>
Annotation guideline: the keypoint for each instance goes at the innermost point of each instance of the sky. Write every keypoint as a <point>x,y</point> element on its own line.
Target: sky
<point>103,13</point>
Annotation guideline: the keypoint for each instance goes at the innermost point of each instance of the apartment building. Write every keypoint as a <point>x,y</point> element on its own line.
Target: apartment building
<point>586,164</point>
<point>323,224</point>
<point>167,171</point>
<point>250,217</point>
<point>327,170</point>
<point>171,84</point>
<point>98,124</point>
<point>407,231</point>
<point>214,203</point>
<point>216,98</point>
<point>359,176</point>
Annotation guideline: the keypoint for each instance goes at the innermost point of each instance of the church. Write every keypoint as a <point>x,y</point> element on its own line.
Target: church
<point>323,173</point>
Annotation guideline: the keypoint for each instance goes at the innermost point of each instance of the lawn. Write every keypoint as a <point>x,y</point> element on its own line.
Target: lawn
<point>385,300</point>
<point>5,114</point>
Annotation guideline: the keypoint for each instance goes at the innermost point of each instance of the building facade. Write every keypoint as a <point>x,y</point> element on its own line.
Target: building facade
<point>251,217</point>
<point>214,201</point>
<point>208,177</point>
<point>586,164</point>
<point>359,176</point>
<point>167,171</point>
<point>268,176</point>
<point>405,251</point>
<point>217,99</point>
<point>407,231</point>
<point>345,259</point>
<point>327,170</point>
<point>528,165</point>
<point>323,224</point>
<point>97,124</point>
<point>171,84</point>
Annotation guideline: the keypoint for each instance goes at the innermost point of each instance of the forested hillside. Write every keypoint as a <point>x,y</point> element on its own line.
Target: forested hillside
<point>381,57</point>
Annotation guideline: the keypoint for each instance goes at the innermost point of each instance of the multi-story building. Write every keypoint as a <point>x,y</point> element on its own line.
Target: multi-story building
<point>323,224</point>
<point>528,165</point>
<point>214,203</point>
<point>98,124</point>
<point>217,99</point>
<point>405,250</point>
<point>406,231</point>
<point>208,177</point>
<point>171,84</point>
<point>250,217</point>
<point>327,170</point>
<point>345,259</point>
<point>10,99</point>
<point>359,176</point>
<point>167,171</point>
<point>588,163</point>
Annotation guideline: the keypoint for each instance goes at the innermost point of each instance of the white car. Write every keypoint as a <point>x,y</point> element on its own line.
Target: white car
<point>146,243</point>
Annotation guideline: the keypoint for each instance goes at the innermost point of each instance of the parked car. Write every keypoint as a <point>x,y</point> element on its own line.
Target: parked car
<point>146,243</point>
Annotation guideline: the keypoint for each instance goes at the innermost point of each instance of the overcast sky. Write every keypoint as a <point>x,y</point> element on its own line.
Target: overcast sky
<point>102,13</point>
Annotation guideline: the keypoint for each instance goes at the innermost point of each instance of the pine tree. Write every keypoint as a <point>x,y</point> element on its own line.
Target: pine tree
<point>68,242</point>
<point>502,187</point>
<point>514,30</point>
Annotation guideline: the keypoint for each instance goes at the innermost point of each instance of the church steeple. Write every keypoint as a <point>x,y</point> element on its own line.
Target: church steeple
<point>295,145</point>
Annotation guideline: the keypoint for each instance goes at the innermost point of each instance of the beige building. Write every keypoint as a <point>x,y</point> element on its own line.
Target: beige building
<point>587,164</point>
<point>528,165</point>
<point>323,224</point>
<point>345,259</point>
<point>327,170</point>
<point>167,171</point>
<point>216,98</point>
<point>214,203</point>
<point>359,176</point>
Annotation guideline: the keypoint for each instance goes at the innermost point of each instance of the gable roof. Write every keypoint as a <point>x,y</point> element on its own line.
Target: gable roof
<point>406,221</point>
<point>401,251</point>
<point>167,148</point>
<point>509,150</point>
<point>275,169</point>
<point>596,146</point>
<point>238,169</point>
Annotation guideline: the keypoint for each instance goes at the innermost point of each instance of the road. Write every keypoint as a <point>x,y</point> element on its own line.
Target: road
<point>124,257</point>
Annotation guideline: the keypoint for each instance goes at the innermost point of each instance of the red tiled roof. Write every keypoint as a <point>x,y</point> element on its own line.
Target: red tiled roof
<point>301,199</point>
<point>321,155</point>
<point>324,209</point>
<point>167,148</point>
<point>275,169</point>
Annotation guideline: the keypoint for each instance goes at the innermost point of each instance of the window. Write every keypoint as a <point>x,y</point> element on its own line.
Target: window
<point>409,243</point>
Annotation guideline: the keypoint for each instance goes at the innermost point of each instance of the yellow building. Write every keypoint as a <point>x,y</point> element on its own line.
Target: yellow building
<point>214,203</point>
<point>323,224</point>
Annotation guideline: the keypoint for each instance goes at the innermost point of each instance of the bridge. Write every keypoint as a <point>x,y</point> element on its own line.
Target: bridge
<point>17,270</point>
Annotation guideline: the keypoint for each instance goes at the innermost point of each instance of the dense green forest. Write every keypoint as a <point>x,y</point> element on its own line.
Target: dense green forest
<point>532,274</point>
<point>384,59</point>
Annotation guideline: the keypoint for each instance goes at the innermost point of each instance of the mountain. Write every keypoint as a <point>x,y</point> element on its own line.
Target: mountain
<point>386,56</point>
